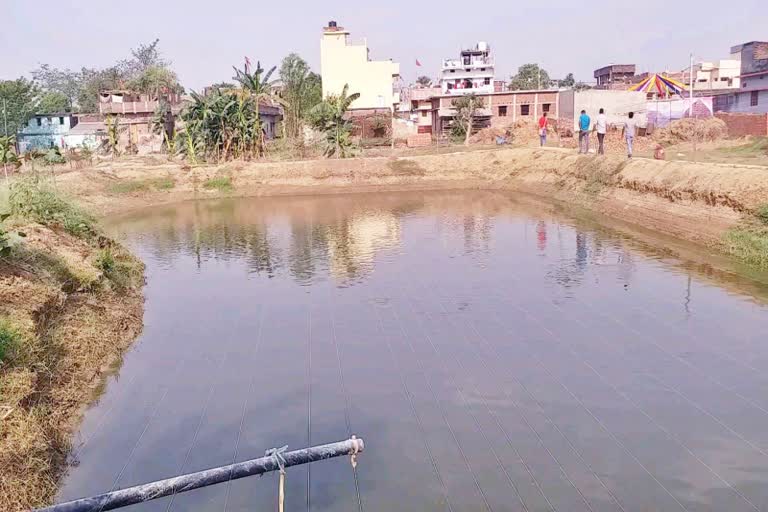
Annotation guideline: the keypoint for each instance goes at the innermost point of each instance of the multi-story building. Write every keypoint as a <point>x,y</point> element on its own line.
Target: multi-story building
<point>343,62</point>
<point>714,75</point>
<point>615,76</point>
<point>45,131</point>
<point>472,72</point>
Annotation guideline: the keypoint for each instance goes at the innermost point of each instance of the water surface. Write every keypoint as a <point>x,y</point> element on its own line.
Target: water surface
<point>494,356</point>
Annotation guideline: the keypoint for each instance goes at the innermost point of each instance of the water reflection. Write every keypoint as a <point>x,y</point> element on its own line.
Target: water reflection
<point>602,372</point>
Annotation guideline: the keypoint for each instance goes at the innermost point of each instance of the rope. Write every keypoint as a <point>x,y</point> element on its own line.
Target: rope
<point>277,454</point>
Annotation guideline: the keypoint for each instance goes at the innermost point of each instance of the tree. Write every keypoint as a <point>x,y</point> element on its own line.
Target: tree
<point>568,81</point>
<point>53,102</point>
<point>424,81</point>
<point>529,77</point>
<point>8,154</point>
<point>466,108</point>
<point>18,101</point>
<point>155,81</point>
<point>329,117</point>
<point>62,81</point>
<point>301,90</point>
<point>258,87</point>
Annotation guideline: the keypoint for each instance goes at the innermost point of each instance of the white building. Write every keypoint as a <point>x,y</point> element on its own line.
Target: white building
<point>719,74</point>
<point>472,72</point>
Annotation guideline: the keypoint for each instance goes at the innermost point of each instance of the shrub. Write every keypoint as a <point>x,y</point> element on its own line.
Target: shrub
<point>105,261</point>
<point>33,200</point>
<point>762,213</point>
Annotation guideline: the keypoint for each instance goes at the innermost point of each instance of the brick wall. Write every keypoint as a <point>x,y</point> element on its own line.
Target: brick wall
<point>419,140</point>
<point>740,125</point>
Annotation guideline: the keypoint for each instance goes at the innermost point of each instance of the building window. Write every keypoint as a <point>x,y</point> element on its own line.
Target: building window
<point>450,86</point>
<point>453,71</point>
<point>482,69</point>
<point>503,111</point>
<point>61,120</point>
<point>753,99</point>
<point>39,121</point>
<point>423,113</point>
<point>545,107</point>
<point>525,110</point>
<point>487,81</point>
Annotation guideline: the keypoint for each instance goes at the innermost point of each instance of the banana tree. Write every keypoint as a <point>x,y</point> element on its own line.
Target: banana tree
<point>257,86</point>
<point>8,156</point>
<point>329,117</point>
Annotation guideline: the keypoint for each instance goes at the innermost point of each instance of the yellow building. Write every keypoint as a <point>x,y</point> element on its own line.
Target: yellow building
<point>342,62</point>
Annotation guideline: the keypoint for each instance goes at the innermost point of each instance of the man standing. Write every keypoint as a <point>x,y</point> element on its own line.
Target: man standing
<point>584,122</point>
<point>543,129</point>
<point>629,133</point>
<point>601,126</point>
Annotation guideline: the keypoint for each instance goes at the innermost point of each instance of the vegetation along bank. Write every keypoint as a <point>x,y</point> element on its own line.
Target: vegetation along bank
<point>70,303</point>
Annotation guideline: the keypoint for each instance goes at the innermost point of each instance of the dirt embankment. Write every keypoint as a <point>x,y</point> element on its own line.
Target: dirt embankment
<point>69,307</point>
<point>695,201</point>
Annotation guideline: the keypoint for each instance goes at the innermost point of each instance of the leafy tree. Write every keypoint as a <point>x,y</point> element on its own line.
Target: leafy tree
<point>529,77</point>
<point>329,117</point>
<point>52,102</point>
<point>155,81</point>
<point>258,87</point>
<point>62,81</point>
<point>568,81</point>
<point>424,81</point>
<point>144,57</point>
<point>301,90</point>
<point>466,108</point>
<point>18,100</point>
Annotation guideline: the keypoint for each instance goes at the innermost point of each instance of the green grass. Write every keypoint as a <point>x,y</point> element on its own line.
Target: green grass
<point>757,146</point>
<point>761,212</point>
<point>9,337</point>
<point>220,183</point>
<point>34,200</point>
<point>749,244</point>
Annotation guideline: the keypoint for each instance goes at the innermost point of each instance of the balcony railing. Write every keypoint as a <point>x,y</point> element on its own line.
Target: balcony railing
<point>128,107</point>
<point>474,63</point>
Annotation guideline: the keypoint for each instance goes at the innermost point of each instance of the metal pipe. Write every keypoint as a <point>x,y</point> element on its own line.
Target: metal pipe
<point>188,482</point>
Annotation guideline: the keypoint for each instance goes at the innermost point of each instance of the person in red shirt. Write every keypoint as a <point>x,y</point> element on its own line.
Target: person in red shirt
<point>543,129</point>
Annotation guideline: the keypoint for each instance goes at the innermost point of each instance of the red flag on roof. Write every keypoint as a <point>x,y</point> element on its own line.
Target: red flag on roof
<point>418,63</point>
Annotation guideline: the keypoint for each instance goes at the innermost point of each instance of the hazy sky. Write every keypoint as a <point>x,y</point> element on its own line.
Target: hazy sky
<point>204,39</point>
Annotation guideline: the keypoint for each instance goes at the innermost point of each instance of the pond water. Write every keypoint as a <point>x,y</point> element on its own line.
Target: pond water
<point>494,354</point>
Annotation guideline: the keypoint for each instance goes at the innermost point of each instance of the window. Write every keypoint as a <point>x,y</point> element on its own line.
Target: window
<point>487,81</point>
<point>545,107</point>
<point>450,86</point>
<point>525,110</point>
<point>482,69</point>
<point>61,120</point>
<point>423,113</point>
<point>453,71</point>
<point>503,111</point>
<point>723,78</point>
<point>39,121</point>
<point>50,120</point>
<point>753,99</point>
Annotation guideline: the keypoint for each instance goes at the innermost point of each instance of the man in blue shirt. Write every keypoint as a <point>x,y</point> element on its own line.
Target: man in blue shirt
<point>584,122</point>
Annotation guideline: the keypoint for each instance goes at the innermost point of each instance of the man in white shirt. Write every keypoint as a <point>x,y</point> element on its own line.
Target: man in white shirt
<point>629,132</point>
<point>601,126</point>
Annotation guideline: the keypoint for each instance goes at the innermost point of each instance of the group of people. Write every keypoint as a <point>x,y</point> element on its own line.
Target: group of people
<point>600,126</point>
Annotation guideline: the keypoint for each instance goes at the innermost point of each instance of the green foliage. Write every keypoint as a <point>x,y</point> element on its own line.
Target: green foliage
<point>52,102</point>
<point>301,91</point>
<point>329,117</point>
<point>53,156</point>
<point>424,81</point>
<point>750,244</point>
<point>220,183</point>
<point>31,199</point>
<point>113,135</point>
<point>8,156</point>
<point>529,77</point>
<point>105,260</point>
<point>10,337</point>
<point>466,108</point>
<point>757,146</point>
<point>18,100</point>
<point>145,69</point>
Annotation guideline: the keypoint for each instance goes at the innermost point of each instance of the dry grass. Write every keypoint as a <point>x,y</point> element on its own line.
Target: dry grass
<point>68,318</point>
<point>405,167</point>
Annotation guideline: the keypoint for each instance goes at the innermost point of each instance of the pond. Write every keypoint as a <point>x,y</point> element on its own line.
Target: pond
<point>494,354</point>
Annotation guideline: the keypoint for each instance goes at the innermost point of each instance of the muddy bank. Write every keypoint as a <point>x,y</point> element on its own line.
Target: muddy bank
<point>69,307</point>
<point>695,201</point>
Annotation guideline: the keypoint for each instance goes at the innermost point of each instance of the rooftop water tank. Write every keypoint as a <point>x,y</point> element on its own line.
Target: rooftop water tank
<point>482,46</point>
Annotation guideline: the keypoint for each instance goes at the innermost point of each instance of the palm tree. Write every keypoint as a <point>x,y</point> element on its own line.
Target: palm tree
<point>328,117</point>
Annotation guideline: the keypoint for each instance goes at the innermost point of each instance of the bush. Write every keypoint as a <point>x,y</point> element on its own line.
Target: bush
<point>9,337</point>
<point>33,200</point>
<point>762,213</point>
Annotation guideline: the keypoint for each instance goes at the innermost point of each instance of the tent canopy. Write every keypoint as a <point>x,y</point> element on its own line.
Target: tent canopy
<point>660,84</point>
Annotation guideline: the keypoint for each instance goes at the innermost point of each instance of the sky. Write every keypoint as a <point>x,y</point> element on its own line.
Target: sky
<point>204,39</point>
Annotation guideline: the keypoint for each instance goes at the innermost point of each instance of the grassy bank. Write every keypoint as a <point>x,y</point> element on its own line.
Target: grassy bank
<point>70,303</point>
